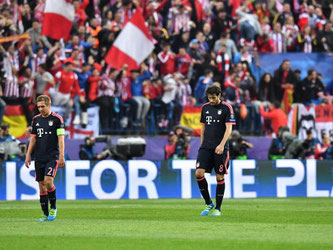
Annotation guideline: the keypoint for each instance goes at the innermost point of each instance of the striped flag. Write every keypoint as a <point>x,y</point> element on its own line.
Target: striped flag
<point>133,45</point>
<point>58,19</point>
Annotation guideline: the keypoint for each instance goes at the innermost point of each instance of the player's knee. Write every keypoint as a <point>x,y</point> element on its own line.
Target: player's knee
<point>49,184</point>
<point>219,178</point>
<point>199,173</point>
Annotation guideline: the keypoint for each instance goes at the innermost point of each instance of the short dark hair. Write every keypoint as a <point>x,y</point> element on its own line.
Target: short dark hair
<point>213,90</point>
<point>43,66</point>
<point>44,98</point>
<point>310,71</point>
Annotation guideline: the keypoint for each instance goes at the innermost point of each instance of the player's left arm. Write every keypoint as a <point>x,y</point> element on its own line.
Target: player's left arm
<point>220,148</point>
<point>61,143</point>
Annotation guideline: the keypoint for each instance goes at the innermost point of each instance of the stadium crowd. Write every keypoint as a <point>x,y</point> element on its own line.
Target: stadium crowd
<point>197,43</point>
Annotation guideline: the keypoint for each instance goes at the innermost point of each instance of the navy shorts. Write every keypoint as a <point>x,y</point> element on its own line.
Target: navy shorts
<point>45,168</point>
<point>207,159</point>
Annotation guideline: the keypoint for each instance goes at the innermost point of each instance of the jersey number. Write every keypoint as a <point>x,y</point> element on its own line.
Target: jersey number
<point>50,171</point>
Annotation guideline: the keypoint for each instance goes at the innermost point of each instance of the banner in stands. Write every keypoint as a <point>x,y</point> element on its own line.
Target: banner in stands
<point>138,179</point>
<point>319,119</point>
<point>191,118</point>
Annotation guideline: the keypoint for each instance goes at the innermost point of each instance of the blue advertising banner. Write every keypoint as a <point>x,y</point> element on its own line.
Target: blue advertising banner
<point>138,179</point>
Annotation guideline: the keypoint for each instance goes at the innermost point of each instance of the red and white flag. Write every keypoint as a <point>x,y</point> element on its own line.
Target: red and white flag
<point>58,19</point>
<point>133,45</point>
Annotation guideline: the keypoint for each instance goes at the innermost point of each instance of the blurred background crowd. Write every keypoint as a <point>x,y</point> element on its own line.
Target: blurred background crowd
<point>197,43</point>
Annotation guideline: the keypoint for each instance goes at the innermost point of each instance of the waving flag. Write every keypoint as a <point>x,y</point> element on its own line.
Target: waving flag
<point>133,45</point>
<point>58,19</point>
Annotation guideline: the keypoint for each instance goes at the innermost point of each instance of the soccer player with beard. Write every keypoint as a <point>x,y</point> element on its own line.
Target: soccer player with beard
<point>217,118</point>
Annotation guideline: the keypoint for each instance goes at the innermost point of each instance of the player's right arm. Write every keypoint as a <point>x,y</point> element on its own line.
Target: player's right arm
<point>202,132</point>
<point>32,144</point>
<point>202,121</point>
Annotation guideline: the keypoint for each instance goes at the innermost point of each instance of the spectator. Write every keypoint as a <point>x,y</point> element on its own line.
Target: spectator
<point>266,88</point>
<point>294,148</point>
<point>325,38</point>
<point>233,92</point>
<point>27,84</point>
<point>324,150</point>
<point>277,116</point>
<point>138,77</point>
<point>128,106</point>
<point>183,61</point>
<point>167,61</point>
<point>229,44</point>
<point>238,146</point>
<point>310,90</point>
<point>37,40</point>
<point>265,44</point>
<point>284,79</point>
<point>5,136</point>
<point>66,88</point>
<point>278,39</point>
<point>106,97</point>
<point>169,95</point>
<point>307,40</point>
<point>249,24</point>
<point>222,63</point>
<point>44,80</point>
<point>290,31</point>
<point>277,150</point>
<point>286,13</point>
<point>310,143</point>
<point>201,86</point>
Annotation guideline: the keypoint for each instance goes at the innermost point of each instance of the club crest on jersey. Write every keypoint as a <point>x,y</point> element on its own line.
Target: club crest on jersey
<point>37,124</point>
<point>219,112</point>
<point>50,123</point>
<point>232,116</point>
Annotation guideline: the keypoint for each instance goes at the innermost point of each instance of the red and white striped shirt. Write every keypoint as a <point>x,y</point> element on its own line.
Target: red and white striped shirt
<point>307,44</point>
<point>181,21</point>
<point>107,86</point>
<point>27,87</point>
<point>278,40</point>
<point>126,88</point>
<point>37,61</point>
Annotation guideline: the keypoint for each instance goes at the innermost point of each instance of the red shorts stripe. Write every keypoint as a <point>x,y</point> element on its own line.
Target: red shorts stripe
<point>51,190</point>
<point>41,194</point>
<point>226,163</point>
<point>220,182</point>
<point>201,179</point>
<point>55,171</point>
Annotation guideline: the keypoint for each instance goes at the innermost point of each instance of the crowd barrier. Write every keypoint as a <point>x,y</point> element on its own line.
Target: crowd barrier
<point>138,179</point>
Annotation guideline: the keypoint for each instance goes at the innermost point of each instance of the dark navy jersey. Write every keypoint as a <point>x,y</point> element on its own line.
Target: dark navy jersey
<point>215,119</point>
<point>46,130</point>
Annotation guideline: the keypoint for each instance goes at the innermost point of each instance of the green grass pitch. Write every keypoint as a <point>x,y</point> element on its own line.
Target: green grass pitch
<point>291,223</point>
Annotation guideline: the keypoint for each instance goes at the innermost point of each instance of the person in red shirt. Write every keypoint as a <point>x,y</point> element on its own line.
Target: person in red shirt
<point>265,44</point>
<point>167,61</point>
<point>80,15</point>
<point>66,89</point>
<point>276,114</point>
<point>183,61</point>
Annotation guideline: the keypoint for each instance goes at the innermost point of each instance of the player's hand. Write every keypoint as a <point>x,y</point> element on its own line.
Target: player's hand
<point>61,162</point>
<point>219,149</point>
<point>27,161</point>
